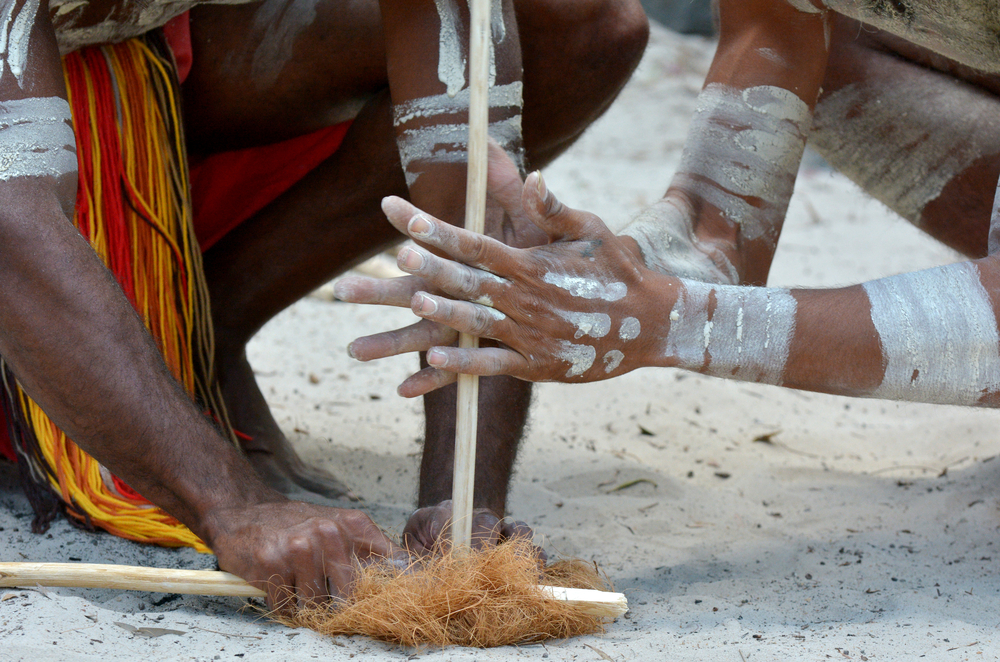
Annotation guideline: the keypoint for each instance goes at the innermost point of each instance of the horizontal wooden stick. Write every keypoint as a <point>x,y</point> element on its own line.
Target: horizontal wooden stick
<point>213,582</point>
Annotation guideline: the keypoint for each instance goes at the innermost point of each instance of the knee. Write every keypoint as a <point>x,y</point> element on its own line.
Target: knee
<point>604,37</point>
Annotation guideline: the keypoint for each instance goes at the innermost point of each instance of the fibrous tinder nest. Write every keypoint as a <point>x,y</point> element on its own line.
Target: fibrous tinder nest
<point>484,599</point>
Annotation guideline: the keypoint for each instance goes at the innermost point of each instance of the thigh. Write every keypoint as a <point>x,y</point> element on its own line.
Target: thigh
<point>276,69</point>
<point>917,131</point>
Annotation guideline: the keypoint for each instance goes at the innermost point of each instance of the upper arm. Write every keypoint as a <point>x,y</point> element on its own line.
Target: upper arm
<point>37,146</point>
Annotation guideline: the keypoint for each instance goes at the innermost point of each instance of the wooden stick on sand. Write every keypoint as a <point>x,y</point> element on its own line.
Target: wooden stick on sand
<point>212,582</point>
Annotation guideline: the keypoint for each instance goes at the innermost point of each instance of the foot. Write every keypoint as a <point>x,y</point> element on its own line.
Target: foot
<point>266,447</point>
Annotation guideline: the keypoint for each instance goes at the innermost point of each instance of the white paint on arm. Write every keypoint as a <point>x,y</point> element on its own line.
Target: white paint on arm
<point>15,35</point>
<point>745,336</point>
<point>36,138</point>
<point>939,336</point>
<point>451,53</point>
<point>278,24</point>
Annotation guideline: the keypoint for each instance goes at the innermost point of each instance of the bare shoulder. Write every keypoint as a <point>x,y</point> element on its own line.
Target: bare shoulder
<point>80,23</point>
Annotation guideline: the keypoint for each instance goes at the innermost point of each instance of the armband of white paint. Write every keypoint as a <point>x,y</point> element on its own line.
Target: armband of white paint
<point>15,35</point>
<point>743,153</point>
<point>746,337</point>
<point>939,336</point>
<point>36,138</point>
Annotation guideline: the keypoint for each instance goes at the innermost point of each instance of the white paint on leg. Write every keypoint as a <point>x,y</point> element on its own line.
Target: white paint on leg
<point>279,23</point>
<point>15,35</point>
<point>939,336</point>
<point>875,135</point>
<point>994,242</point>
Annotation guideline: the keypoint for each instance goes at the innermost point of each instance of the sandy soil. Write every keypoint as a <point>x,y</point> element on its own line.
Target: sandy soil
<point>770,524</point>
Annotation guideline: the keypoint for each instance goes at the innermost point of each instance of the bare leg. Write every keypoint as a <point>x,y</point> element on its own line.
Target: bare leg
<point>917,131</point>
<point>331,220</point>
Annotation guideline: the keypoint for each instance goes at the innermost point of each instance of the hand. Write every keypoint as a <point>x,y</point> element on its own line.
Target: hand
<point>298,552</point>
<point>581,308</point>
<point>429,530</point>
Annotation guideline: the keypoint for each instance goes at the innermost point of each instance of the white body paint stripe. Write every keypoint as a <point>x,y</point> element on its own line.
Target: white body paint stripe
<point>747,336</point>
<point>747,173</point>
<point>501,96</point>
<point>36,139</point>
<point>913,162</point>
<point>17,26</point>
<point>451,55</point>
<point>939,336</point>
<point>449,143</point>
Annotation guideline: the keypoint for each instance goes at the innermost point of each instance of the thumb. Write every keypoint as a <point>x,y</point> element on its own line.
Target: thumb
<point>553,217</point>
<point>503,179</point>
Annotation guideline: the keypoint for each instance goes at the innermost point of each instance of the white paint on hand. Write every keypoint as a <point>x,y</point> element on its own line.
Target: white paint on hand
<point>595,325</point>
<point>612,360</point>
<point>743,153</point>
<point>746,337</point>
<point>451,54</point>
<point>666,238</point>
<point>875,135</point>
<point>587,288</point>
<point>629,329</point>
<point>580,357</point>
<point>939,336</point>
<point>36,138</point>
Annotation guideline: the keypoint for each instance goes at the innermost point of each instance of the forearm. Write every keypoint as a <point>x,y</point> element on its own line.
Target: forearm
<point>78,348</point>
<point>928,336</point>
<point>724,210</point>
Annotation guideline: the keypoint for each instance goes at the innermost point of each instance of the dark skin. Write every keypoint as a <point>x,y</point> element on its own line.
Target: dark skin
<point>331,220</point>
<point>100,377</point>
<point>835,347</point>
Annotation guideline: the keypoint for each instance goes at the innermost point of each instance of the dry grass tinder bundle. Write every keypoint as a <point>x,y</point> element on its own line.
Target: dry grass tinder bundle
<point>484,599</point>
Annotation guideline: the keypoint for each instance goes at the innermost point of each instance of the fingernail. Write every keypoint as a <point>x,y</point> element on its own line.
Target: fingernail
<point>350,351</point>
<point>543,190</point>
<point>409,259</point>
<point>426,304</point>
<point>419,225</point>
<point>390,205</point>
<point>437,358</point>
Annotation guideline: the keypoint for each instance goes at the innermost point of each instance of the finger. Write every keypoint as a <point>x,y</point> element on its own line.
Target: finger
<point>485,361</point>
<point>452,278</point>
<point>503,179</point>
<point>472,318</point>
<point>514,529</point>
<point>280,595</point>
<point>555,218</point>
<point>485,530</point>
<point>417,337</point>
<point>468,247</point>
<point>379,291</point>
<point>338,580</point>
<point>425,381</point>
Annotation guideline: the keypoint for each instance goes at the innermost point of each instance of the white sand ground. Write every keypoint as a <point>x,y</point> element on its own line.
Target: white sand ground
<point>864,531</point>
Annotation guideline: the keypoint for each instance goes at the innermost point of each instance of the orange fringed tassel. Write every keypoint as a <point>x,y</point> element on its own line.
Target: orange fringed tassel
<point>133,206</point>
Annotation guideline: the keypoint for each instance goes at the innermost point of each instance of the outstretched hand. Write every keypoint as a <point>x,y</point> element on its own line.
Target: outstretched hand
<point>581,308</point>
